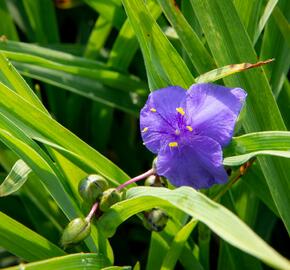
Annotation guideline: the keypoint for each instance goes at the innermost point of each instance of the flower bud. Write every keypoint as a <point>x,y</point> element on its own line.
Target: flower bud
<point>155,220</point>
<point>156,181</point>
<point>92,187</point>
<point>77,230</point>
<point>109,197</point>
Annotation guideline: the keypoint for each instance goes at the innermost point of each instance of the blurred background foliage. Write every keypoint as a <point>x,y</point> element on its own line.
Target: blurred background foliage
<point>92,64</point>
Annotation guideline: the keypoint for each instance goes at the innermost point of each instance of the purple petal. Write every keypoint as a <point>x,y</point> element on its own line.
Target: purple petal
<point>213,110</point>
<point>197,164</point>
<point>158,115</point>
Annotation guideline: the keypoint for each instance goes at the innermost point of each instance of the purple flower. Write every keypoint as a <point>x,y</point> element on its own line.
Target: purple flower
<point>187,130</point>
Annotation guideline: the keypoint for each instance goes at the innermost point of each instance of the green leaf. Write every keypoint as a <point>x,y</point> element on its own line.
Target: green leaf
<point>47,172</point>
<point>42,19</point>
<point>117,268</point>
<point>164,65</point>
<point>126,43</point>
<point>160,244</point>
<point>157,250</point>
<point>275,143</point>
<point>39,162</point>
<point>264,18</point>
<point>53,55</point>
<point>129,102</point>
<point>17,83</point>
<point>109,9</point>
<point>88,261</point>
<point>225,71</point>
<point>283,102</point>
<point>275,45</point>
<point>222,25</point>
<point>177,245</point>
<point>197,53</point>
<point>46,130</point>
<point>283,24</point>
<point>8,28</point>
<point>97,38</point>
<point>107,77</point>
<point>249,12</point>
<point>25,243</point>
<point>15,179</point>
<point>255,181</point>
<point>215,216</point>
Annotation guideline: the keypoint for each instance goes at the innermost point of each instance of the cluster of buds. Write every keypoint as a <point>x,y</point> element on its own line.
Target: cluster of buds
<point>94,190</point>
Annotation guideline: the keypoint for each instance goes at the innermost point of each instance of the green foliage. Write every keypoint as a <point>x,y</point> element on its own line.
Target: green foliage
<point>15,179</point>
<point>74,261</point>
<point>88,68</point>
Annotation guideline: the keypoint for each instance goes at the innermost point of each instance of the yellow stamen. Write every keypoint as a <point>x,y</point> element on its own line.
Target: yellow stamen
<point>180,110</point>
<point>173,144</point>
<point>144,129</point>
<point>189,128</point>
<point>153,110</point>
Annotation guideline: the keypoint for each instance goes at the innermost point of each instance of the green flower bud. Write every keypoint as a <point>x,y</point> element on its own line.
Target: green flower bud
<point>155,220</point>
<point>92,187</point>
<point>77,230</point>
<point>156,181</point>
<point>110,197</point>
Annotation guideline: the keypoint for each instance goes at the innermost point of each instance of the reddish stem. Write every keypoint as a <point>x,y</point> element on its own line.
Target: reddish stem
<point>92,212</point>
<point>136,179</point>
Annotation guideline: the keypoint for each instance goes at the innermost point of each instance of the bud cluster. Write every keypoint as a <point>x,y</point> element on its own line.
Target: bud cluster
<point>94,189</point>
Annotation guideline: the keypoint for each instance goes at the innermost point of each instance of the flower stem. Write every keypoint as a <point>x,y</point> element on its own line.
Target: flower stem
<point>234,178</point>
<point>92,211</point>
<point>136,179</point>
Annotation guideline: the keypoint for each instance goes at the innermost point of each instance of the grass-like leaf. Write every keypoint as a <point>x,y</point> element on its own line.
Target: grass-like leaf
<point>216,217</point>
<point>228,70</point>
<point>222,25</point>
<point>177,245</point>
<point>159,55</point>
<point>126,101</point>
<point>88,261</point>
<point>43,128</point>
<point>25,243</point>
<point>15,179</point>
<point>275,143</point>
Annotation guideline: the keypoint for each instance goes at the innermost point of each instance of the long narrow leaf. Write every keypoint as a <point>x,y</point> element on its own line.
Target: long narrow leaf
<point>127,101</point>
<point>69,262</point>
<point>25,243</point>
<point>163,64</point>
<point>222,25</point>
<point>15,179</point>
<point>276,143</point>
<point>44,128</point>
<point>215,216</point>
<point>194,47</point>
<point>223,72</point>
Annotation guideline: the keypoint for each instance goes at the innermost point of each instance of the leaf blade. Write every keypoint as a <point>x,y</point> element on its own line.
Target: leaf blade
<point>15,179</point>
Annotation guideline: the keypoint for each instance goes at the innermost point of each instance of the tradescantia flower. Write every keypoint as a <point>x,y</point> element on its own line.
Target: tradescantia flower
<point>187,130</point>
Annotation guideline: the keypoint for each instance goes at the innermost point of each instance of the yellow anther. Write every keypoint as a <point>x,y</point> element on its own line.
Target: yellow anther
<point>189,128</point>
<point>153,110</point>
<point>180,110</point>
<point>173,144</point>
<point>144,129</point>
